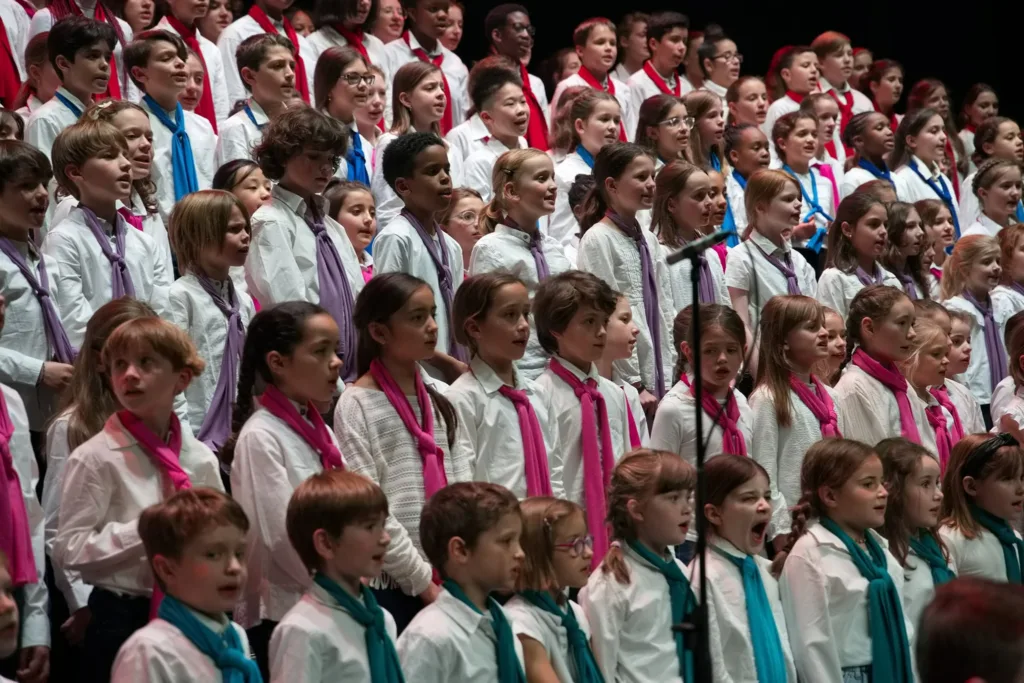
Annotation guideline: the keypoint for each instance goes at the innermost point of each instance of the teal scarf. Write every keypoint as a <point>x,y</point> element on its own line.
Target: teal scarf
<point>1013,547</point>
<point>224,649</point>
<point>890,651</point>
<point>509,670</point>
<point>683,602</point>
<point>927,548</point>
<point>380,650</point>
<point>764,634</point>
<point>579,648</point>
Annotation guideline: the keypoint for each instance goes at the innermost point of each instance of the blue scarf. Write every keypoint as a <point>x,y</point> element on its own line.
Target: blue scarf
<point>1020,212</point>
<point>683,602</point>
<point>926,547</point>
<point>509,670</point>
<point>579,649</point>
<point>252,117</point>
<point>182,162</point>
<point>880,173</point>
<point>1012,546</point>
<point>357,161</point>
<point>380,650</point>
<point>764,633</point>
<point>814,207</point>
<point>714,161</point>
<point>69,104</point>
<point>942,191</point>
<point>890,651</point>
<point>224,649</point>
<point>587,157</point>
<point>729,222</point>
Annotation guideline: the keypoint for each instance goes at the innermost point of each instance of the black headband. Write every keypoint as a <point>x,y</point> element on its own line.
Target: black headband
<point>980,456</point>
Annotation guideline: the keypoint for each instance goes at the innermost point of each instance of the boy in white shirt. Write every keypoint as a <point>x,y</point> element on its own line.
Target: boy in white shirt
<point>511,35</point>
<point>497,95</point>
<point>195,545</point>
<point>266,63</point>
<point>666,39</point>
<point>180,19</point>
<point>183,142</point>
<point>336,524</point>
<point>470,532</point>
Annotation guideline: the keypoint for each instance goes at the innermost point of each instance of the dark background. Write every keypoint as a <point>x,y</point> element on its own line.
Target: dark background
<point>961,45</point>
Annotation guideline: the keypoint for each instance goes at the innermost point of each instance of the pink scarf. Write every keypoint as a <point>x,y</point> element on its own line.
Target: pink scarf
<point>892,380</point>
<point>819,403</point>
<point>598,461</point>
<point>943,440</point>
<point>941,395</point>
<point>434,477</point>
<point>314,432</point>
<point>727,420</point>
<point>634,433</point>
<point>535,454</point>
<point>15,539</point>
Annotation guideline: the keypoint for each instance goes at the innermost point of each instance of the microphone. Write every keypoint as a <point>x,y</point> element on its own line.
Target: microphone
<point>697,246</point>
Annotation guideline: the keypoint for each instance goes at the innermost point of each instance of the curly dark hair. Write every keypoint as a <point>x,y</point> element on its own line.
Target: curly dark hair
<point>295,130</point>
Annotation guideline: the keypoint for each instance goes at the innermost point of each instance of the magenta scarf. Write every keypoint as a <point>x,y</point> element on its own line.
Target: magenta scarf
<point>15,538</point>
<point>892,380</point>
<point>943,439</point>
<point>314,432</point>
<point>819,403</point>
<point>535,454</point>
<point>727,420</point>
<point>434,477</point>
<point>941,395</point>
<point>598,461</point>
<point>634,433</point>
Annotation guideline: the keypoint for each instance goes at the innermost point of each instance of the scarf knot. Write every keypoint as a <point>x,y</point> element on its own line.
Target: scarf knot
<point>889,376</point>
<point>819,402</point>
<point>183,163</point>
<point>726,417</point>
<point>509,670</point>
<point>224,649</point>
<point>535,454</point>
<point>314,432</point>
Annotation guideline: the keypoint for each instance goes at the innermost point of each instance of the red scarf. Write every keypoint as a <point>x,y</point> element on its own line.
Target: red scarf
<point>845,108</point>
<point>114,84</point>
<point>537,129</point>
<point>893,121</point>
<point>261,18</point>
<point>970,128</point>
<point>10,79</point>
<point>188,34</point>
<point>421,54</point>
<point>660,82</point>
<point>954,174</point>
<point>354,39</point>
<point>590,80</point>
<point>795,96</point>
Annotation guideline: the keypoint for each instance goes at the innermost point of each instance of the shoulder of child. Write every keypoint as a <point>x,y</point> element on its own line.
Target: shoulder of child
<point>199,122</point>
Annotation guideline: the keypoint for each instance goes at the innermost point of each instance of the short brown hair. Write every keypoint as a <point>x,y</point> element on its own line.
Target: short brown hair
<point>166,339</point>
<point>465,510</point>
<point>20,163</point>
<point>330,500</point>
<point>83,141</point>
<point>200,220</point>
<point>295,130</point>
<point>167,527</point>
<point>137,52</point>
<point>559,297</point>
<point>252,52</point>
<point>829,43</point>
<point>474,298</point>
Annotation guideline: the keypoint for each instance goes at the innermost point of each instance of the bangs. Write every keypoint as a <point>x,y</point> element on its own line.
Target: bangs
<point>1007,463</point>
<point>365,501</point>
<point>152,334</point>
<point>674,474</point>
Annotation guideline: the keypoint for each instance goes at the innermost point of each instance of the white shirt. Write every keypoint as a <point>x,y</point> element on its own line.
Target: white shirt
<point>977,376</point>
<point>641,88</point>
<point>919,588</point>
<point>480,165</point>
<point>561,402</point>
<point>563,226</point>
<point>31,104</point>
<point>1016,298</point>
<point>83,272</point>
<point>737,202</point>
<point>984,226</point>
<point>327,37</point>
<point>398,53</point>
<point>970,206</point>
<point>854,178</point>
<point>613,256</point>
<point>203,141</point>
<point>682,288</point>
<point>546,628</point>
<point>967,137</point>
<point>214,71</point>
<point>825,599</point>
<point>836,288</point>
<point>748,270</point>
<point>16,22</point>
<point>622,94</point>
<point>635,408</point>
<point>319,642</point>
<point>508,249</point>
<point>780,450</point>
<point>968,408</point>
<point>675,425</point>
<point>388,203</point>
<point>51,118</point>
<point>489,422</point>
<point>910,187</point>
<point>449,641</point>
<point>108,481</point>
<point>159,653</point>
<point>467,137</point>
<point>632,624</point>
<point>238,136</point>
<point>245,27</point>
<point>870,411</point>
<point>981,556</point>
<point>1007,399</point>
<point>377,445</point>
<point>776,110</point>
<point>398,248</point>
<point>194,311</point>
<point>732,649</point>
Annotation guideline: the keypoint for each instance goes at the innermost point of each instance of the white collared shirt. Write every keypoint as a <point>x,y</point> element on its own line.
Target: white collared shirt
<point>377,445</point>
<point>731,644</point>
<point>398,53</point>
<point>398,248</point>
<point>919,588</point>
<point>108,481</point>
<point>563,226</point>
<point>621,94</point>
<point>981,556</point>
<point>861,102</point>
<point>547,629</point>
<point>977,376</point>
<point>194,311</point>
<point>748,270</point>
<point>632,623</point>
<point>968,408</point>
<point>203,141</point>
<point>160,652</point>
<point>983,225</point>
<point>319,641</point>
<point>612,255</point>
<point>214,71</point>
<point>562,403</point>
<point>449,641</point>
<point>489,423</point>
<point>271,460</point>
<point>910,187</point>
<point>1015,298</point>
<point>776,110</point>
<point>388,203</point>
<point>736,195</point>
<point>854,178</point>
<point>641,88</point>
<point>837,288</point>
<point>970,206</point>
<point>467,137</point>
<point>47,121</point>
<point>480,165</point>
<point>239,135</point>
<point>675,425</point>
<point>31,104</point>
<point>1007,399</point>
<point>780,450</point>
<point>16,22</point>
<point>681,287</point>
<point>246,27</point>
<point>327,37</point>
<point>715,89</point>
<point>870,411</point>
<point>83,272</point>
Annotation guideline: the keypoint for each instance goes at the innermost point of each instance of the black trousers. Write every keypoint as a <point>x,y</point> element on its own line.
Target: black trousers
<point>114,619</point>
<point>259,645</point>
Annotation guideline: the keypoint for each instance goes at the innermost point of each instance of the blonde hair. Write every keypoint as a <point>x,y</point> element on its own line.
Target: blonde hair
<point>763,186</point>
<point>106,111</point>
<point>83,141</point>
<point>507,169</point>
<point>927,331</point>
<point>165,339</point>
<point>780,316</point>
<point>541,515</point>
<point>968,250</point>
<point>200,221</point>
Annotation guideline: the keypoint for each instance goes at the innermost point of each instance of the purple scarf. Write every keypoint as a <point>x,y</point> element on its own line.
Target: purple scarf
<point>536,240</point>
<point>785,267</point>
<point>216,427</point>
<point>908,284</point>
<point>120,279</point>
<point>868,280</point>
<point>55,334</point>
<point>650,292</point>
<point>335,291</point>
<point>994,349</point>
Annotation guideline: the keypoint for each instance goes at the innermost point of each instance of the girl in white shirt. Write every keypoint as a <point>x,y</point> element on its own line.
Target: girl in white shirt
<point>997,185</point>
<point>980,103</point>
<point>747,99</point>
<point>748,639</point>
<point>871,138</point>
<point>41,80</point>
<point>619,341</point>
<point>920,144</point>
<point>830,157</point>
<point>1011,260</point>
<point>461,221</point>
<point>997,138</point>
<point>926,367</point>
<point>342,23</point>
<point>351,205</point>
<point>840,572</point>
<point>795,139</point>
<point>827,370</point>
<point>981,501</point>
<point>931,93</point>
<point>792,76</point>
<point>370,117</point>
<point>244,179</point>
<point>553,629</point>
<point>883,83</point>
<point>341,86</point>
<point>640,590</point>
<point>708,129</point>
<point>939,231</point>
<point>791,408</point>
<point>746,149</point>
<point>905,243</point>
<point>663,128</point>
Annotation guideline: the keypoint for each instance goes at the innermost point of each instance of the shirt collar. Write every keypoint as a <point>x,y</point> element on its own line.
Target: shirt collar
<point>477,128</point>
<point>711,86</point>
<point>497,146</point>
<point>297,203</point>
<point>517,235</point>
<point>258,112</point>
<point>415,45</point>
<point>928,173</point>
<point>593,374</point>
<point>766,244</point>
<point>468,619</point>
<point>71,98</point>
<point>218,626</point>
<point>826,537</point>
<point>727,547</point>
<point>989,223</point>
<point>489,380</point>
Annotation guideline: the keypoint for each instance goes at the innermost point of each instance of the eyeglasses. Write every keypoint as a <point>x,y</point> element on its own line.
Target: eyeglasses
<point>468,216</point>
<point>321,159</point>
<point>527,29</point>
<point>729,56</point>
<point>577,545</point>
<point>677,121</point>
<point>353,79</point>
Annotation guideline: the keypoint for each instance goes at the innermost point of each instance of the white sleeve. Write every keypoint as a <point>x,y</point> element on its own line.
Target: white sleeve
<point>75,310</point>
<point>389,204</point>
<point>425,655</point>
<point>227,44</point>
<point>19,368</point>
<point>830,292</point>
<point>218,87</point>
<point>765,451</point>
<point>296,654</point>
<point>231,145</point>
<point>271,267</point>
<point>139,661</point>
<point>805,602</point>
<point>605,606</point>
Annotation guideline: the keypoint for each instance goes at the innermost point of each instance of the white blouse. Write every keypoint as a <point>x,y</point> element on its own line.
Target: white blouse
<point>398,53</point>
<point>748,270</point>
<point>239,135</point>
<point>675,425</point>
<point>563,226</point>
<point>981,556</point>
<point>870,411</point>
<point>977,376</point>
<point>836,288</point>
<point>910,188</point>
<point>982,225</point>
<point>919,588</point>
<point>479,166</point>
<point>546,628</point>
<point>622,94</point>
<point>967,406</point>
<point>682,288</point>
